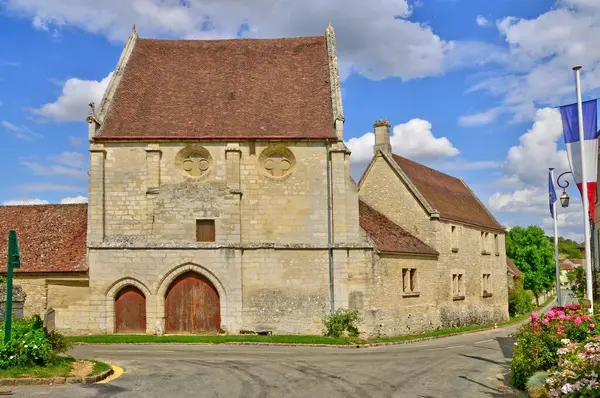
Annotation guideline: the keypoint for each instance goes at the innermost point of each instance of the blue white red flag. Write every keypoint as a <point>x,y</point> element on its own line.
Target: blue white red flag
<point>552,193</point>
<point>570,123</point>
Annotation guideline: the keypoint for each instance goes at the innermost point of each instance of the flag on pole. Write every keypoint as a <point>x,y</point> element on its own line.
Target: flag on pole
<point>552,193</point>
<point>570,123</point>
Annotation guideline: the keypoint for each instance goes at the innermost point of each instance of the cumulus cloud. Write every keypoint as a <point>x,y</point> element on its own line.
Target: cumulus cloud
<point>543,50</point>
<point>482,21</point>
<point>363,28</point>
<point>72,104</point>
<point>20,131</point>
<point>25,202</point>
<point>73,200</point>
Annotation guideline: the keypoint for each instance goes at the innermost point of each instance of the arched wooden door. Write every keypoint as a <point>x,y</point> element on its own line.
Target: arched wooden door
<point>192,305</point>
<point>130,311</point>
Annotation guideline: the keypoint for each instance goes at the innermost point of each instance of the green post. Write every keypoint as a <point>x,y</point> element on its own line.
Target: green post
<point>14,261</point>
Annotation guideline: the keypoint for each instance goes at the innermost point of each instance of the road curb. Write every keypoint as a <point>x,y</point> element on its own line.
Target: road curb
<point>36,381</point>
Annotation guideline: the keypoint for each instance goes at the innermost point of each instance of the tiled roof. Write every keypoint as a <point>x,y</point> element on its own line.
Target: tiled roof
<point>389,236</point>
<point>566,267</point>
<point>448,195</point>
<point>512,268</point>
<point>238,88</point>
<point>52,238</point>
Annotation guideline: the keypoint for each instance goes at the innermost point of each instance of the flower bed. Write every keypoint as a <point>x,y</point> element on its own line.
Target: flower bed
<point>563,343</point>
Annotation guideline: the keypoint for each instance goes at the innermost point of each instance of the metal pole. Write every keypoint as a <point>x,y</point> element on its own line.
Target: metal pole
<point>329,239</point>
<point>557,265</point>
<point>9,285</point>
<point>586,218</point>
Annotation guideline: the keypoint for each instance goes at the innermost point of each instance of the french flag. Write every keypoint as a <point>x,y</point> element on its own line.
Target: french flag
<point>570,122</point>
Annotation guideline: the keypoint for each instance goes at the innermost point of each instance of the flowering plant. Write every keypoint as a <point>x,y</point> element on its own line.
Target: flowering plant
<point>578,368</point>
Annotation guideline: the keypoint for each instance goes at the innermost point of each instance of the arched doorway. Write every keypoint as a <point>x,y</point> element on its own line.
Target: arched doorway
<point>130,311</point>
<point>192,305</point>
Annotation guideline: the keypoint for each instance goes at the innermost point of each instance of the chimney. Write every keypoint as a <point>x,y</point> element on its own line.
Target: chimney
<point>382,136</point>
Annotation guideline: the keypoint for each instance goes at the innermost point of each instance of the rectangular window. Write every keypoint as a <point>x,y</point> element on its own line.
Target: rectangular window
<point>409,281</point>
<point>454,239</point>
<point>487,285</point>
<point>496,245</point>
<point>205,230</point>
<point>458,287</point>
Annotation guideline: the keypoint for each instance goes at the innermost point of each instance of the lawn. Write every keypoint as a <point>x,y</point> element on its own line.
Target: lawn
<point>285,339</point>
<point>62,368</point>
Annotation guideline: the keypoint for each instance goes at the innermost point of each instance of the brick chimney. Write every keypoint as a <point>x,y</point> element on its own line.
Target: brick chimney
<point>382,136</point>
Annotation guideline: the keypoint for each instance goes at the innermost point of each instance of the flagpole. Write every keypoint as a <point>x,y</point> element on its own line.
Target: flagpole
<point>557,266</point>
<point>586,217</point>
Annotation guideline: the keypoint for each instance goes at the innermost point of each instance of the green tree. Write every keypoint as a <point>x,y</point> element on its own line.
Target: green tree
<point>568,248</point>
<point>533,254</point>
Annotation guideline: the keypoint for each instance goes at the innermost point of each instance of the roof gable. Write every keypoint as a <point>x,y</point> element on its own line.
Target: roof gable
<point>447,195</point>
<point>52,238</point>
<point>219,89</point>
<point>389,236</point>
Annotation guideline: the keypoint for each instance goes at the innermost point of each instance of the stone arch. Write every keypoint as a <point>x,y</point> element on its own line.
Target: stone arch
<point>165,279</point>
<point>111,294</point>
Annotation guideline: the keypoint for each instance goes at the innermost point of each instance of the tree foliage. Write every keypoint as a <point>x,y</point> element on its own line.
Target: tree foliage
<point>568,248</point>
<point>533,254</point>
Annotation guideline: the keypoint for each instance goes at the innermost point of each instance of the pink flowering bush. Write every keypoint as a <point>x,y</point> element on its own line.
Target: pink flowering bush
<point>538,343</point>
<point>578,369</point>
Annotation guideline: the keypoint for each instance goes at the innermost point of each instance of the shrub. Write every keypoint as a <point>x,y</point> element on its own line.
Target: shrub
<point>29,345</point>
<point>343,321</point>
<point>577,372</point>
<point>520,301</point>
<point>537,344</point>
<point>536,385</point>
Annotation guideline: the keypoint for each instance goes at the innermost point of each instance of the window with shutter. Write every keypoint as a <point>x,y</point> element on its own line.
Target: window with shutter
<point>205,230</point>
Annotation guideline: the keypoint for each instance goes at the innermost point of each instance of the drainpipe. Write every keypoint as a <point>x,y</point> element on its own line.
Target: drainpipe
<point>329,236</point>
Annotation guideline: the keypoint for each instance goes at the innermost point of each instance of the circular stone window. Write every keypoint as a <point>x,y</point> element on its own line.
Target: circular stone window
<point>277,161</point>
<point>194,161</point>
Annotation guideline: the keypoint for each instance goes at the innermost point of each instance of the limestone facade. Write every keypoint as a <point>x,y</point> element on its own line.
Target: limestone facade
<point>271,221</point>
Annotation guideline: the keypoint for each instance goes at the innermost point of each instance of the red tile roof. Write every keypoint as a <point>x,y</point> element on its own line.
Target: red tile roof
<point>566,267</point>
<point>52,238</point>
<point>448,195</point>
<point>512,268</point>
<point>212,89</point>
<point>389,236</point>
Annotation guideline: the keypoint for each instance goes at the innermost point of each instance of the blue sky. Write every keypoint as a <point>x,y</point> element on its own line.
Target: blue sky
<point>469,86</point>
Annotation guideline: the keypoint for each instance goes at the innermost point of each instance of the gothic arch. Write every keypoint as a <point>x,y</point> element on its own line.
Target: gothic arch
<point>111,294</point>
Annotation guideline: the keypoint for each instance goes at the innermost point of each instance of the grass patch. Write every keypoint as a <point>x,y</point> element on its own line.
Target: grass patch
<point>99,367</point>
<point>62,368</point>
<point>143,338</point>
<point>285,339</point>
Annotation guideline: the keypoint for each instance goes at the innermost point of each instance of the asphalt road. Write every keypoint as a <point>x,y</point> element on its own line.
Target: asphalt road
<point>470,365</point>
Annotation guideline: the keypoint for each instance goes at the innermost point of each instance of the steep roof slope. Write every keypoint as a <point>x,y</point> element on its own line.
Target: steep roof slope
<point>450,196</point>
<point>52,238</point>
<point>389,236</point>
<point>217,89</point>
<point>512,268</point>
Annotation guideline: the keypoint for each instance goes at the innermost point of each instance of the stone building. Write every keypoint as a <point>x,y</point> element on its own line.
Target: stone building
<point>220,199</point>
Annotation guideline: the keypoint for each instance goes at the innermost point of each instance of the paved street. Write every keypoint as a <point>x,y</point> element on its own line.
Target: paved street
<point>470,365</point>
<point>461,366</point>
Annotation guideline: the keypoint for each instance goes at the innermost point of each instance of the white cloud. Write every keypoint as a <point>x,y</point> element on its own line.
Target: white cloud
<point>75,199</point>
<point>413,139</point>
<point>481,118</point>
<point>375,38</point>
<point>464,165</point>
<point>25,202</point>
<point>75,141</point>
<point>541,54</point>
<point>482,21</point>
<point>72,104</point>
<point>537,150</point>
<point>39,23</point>
<point>21,132</point>
<point>69,164</point>
<point>528,200</point>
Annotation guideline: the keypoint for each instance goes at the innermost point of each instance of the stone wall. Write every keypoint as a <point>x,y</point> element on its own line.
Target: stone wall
<point>461,251</point>
<point>18,301</point>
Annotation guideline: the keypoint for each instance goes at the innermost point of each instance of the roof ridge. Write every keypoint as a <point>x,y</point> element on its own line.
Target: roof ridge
<point>158,39</point>
<point>427,167</point>
<point>45,205</point>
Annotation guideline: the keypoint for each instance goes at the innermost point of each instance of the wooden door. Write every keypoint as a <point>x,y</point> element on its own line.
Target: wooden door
<point>192,306</point>
<point>130,311</point>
